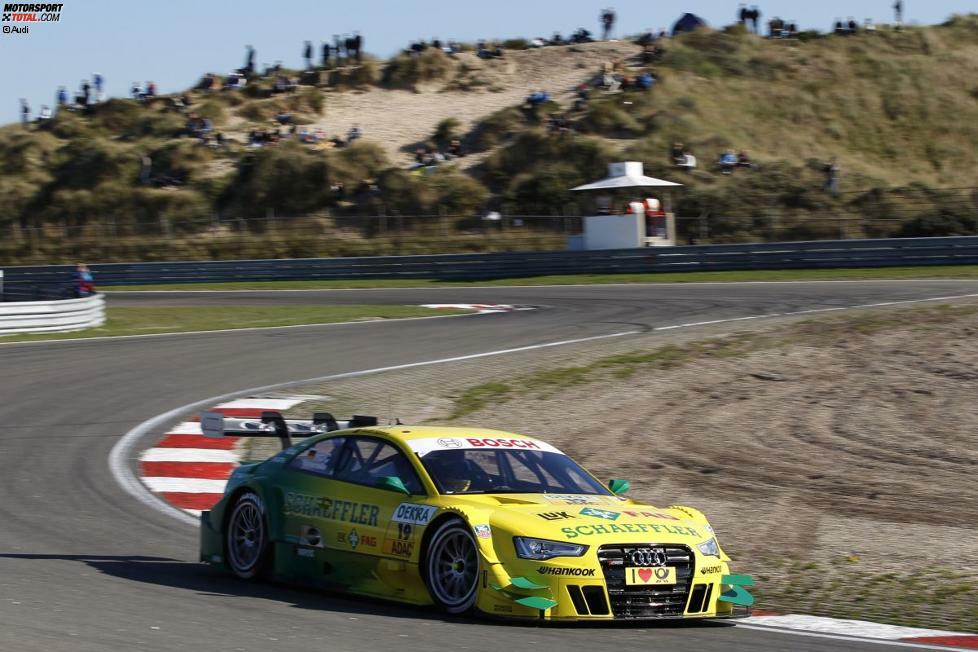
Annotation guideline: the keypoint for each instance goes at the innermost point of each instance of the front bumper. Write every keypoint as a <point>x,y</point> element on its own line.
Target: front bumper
<point>596,589</point>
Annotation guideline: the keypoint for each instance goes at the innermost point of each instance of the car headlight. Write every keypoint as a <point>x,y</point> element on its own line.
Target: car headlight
<point>709,548</point>
<point>539,549</point>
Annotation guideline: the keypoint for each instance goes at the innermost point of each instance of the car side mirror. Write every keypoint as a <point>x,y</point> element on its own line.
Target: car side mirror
<point>393,483</point>
<point>618,487</point>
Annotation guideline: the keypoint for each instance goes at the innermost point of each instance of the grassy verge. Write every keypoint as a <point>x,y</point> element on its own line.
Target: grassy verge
<point>935,272</point>
<point>841,588</point>
<point>813,332</point>
<point>145,321</point>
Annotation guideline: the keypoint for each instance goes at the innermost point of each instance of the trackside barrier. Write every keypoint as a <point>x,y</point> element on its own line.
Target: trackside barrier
<point>474,267</point>
<point>51,316</point>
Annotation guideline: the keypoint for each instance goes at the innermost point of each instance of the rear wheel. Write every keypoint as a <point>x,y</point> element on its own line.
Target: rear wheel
<point>246,537</point>
<point>452,567</point>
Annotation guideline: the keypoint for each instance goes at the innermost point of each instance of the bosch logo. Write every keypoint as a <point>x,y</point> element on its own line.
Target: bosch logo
<point>648,557</point>
<point>450,443</point>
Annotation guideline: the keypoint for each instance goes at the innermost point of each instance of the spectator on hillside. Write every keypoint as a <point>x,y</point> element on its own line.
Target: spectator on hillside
<point>755,18</point>
<point>853,26</point>
<point>324,55</point>
<point>831,171</point>
<point>775,28</point>
<point>742,15</point>
<point>25,112</point>
<point>62,96</point>
<point>644,80</point>
<point>84,281</point>
<point>839,28</point>
<point>136,91</point>
<point>145,169</point>
<point>357,46</point>
<point>677,154</point>
<point>307,54</point>
<point>99,83</point>
<point>86,91</point>
<point>688,161</point>
<point>898,12</point>
<point>537,98</point>
<point>454,149</point>
<point>607,22</point>
<point>728,161</point>
<point>249,67</point>
<point>354,134</point>
<point>581,97</point>
<point>150,89</point>
<point>45,113</point>
<point>743,160</point>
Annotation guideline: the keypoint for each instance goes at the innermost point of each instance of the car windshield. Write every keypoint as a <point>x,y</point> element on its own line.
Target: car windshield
<point>508,472</point>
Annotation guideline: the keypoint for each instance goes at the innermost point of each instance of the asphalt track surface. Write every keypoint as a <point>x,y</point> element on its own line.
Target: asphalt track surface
<point>84,566</point>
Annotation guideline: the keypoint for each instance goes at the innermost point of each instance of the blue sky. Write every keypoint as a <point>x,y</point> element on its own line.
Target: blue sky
<point>172,42</point>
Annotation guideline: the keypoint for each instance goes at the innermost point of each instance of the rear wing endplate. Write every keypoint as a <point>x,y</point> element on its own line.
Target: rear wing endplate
<point>273,424</point>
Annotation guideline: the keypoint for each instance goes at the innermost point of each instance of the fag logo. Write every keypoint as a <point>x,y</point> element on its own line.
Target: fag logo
<point>600,513</point>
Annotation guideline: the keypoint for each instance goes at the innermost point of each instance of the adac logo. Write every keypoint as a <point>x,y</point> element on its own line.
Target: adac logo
<point>600,513</point>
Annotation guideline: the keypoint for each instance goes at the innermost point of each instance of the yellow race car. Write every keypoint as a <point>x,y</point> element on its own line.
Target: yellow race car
<point>462,518</point>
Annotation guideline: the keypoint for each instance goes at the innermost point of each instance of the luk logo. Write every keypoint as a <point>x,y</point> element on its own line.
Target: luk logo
<point>450,443</point>
<point>600,513</point>
<point>554,516</point>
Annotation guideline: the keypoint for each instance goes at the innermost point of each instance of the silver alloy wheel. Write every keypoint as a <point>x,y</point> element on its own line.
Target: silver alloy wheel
<point>453,567</point>
<point>246,538</point>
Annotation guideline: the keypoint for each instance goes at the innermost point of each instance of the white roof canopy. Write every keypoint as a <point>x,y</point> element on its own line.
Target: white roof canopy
<point>628,174</point>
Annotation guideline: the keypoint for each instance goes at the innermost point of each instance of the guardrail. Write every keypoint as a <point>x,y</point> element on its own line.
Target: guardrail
<point>51,316</point>
<point>461,267</point>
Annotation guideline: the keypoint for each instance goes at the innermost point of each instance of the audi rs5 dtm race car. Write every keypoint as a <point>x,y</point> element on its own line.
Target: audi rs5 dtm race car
<point>462,518</point>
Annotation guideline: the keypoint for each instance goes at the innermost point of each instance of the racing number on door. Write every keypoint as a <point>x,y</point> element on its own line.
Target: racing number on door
<point>401,542</point>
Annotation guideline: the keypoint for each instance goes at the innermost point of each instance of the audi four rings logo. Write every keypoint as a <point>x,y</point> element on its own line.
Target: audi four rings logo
<point>648,557</point>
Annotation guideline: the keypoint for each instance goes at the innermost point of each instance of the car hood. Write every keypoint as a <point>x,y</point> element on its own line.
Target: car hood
<point>590,520</point>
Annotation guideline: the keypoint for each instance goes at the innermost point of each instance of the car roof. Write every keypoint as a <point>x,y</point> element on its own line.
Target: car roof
<point>407,432</point>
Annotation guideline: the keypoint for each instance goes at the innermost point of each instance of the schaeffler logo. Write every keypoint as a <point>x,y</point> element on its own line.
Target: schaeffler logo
<point>31,12</point>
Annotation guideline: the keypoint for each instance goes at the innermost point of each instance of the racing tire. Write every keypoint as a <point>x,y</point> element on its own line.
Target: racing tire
<point>452,567</point>
<point>246,546</point>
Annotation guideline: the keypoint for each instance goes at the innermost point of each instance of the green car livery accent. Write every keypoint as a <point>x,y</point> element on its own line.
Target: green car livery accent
<point>465,519</point>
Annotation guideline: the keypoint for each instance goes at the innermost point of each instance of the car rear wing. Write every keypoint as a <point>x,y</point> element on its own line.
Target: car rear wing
<point>273,424</point>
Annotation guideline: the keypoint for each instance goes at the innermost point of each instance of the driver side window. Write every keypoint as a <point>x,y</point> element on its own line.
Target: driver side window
<point>321,458</point>
<point>369,460</point>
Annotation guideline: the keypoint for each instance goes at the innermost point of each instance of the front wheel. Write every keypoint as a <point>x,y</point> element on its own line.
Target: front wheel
<point>246,537</point>
<point>452,567</point>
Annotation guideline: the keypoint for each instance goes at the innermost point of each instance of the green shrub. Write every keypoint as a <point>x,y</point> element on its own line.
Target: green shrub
<point>515,44</point>
<point>313,98</point>
<point>445,132</point>
<point>407,70</point>
<point>494,130</point>
<point>612,119</point>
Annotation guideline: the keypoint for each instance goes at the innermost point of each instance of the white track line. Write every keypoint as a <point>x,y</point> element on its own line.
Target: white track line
<point>123,451</point>
<point>845,627</point>
<point>854,639</point>
<point>235,330</point>
<point>189,455</point>
<point>185,485</point>
<point>259,403</point>
<point>670,284</point>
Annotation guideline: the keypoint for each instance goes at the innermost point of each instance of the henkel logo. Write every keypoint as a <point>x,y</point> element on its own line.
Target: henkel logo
<point>502,443</point>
